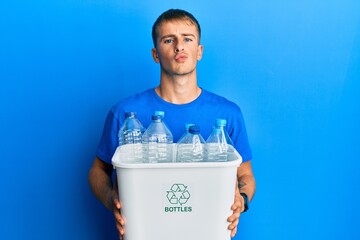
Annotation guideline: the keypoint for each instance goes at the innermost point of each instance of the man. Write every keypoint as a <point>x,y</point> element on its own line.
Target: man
<point>176,35</point>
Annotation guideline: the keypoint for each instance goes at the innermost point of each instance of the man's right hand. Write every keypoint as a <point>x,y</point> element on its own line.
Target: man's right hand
<point>119,220</point>
<point>106,191</point>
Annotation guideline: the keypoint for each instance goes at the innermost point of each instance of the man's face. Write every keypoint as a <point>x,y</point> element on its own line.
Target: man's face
<point>178,48</point>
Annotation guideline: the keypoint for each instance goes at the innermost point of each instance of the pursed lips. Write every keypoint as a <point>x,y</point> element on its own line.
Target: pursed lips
<point>181,57</point>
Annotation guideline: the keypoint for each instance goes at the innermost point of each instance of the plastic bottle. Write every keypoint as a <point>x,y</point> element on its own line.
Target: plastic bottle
<point>219,145</point>
<point>157,141</point>
<point>190,147</point>
<point>130,134</point>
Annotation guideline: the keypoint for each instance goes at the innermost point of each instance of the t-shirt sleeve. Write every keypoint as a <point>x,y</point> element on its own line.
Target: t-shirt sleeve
<point>240,137</point>
<point>109,139</point>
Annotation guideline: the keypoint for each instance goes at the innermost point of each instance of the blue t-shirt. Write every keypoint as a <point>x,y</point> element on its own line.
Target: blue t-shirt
<point>202,111</point>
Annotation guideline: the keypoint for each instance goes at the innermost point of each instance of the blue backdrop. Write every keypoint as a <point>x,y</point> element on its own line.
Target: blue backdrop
<point>292,66</point>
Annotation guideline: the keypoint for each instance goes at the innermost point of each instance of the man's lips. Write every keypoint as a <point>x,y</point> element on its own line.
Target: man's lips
<point>180,57</point>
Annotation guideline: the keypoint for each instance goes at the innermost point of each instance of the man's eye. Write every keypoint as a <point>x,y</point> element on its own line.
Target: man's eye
<point>188,40</point>
<point>168,41</point>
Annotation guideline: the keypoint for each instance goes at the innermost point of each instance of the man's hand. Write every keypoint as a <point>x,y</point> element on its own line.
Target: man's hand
<point>237,208</point>
<point>247,185</point>
<point>119,220</point>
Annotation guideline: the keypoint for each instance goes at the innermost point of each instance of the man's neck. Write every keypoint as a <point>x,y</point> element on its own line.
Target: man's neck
<point>178,89</point>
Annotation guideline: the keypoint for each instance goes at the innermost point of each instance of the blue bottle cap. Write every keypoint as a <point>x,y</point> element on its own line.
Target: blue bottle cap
<point>130,114</point>
<point>188,125</point>
<point>220,122</point>
<point>159,113</point>
<point>155,117</point>
<point>194,129</point>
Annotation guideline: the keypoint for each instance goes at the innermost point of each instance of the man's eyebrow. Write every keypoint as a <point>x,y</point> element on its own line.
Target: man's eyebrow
<point>167,36</point>
<point>189,35</point>
<point>183,34</point>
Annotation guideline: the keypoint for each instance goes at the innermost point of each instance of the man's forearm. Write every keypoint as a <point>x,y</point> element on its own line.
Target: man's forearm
<point>246,185</point>
<point>246,180</point>
<point>101,185</point>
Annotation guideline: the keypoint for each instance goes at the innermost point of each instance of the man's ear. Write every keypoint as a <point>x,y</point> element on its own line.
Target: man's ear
<point>200,52</point>
<point>155,55</point>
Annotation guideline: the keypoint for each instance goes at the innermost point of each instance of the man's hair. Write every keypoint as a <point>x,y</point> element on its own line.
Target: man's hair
<point>173,14</point>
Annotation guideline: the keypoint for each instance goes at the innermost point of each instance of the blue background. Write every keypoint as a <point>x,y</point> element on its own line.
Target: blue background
<point>292,66</point>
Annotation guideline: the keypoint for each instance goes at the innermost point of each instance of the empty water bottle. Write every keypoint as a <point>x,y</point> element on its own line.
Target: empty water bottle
<point>157,141</point>
<point>190,147</point>
<point>219,145</point>
<point>130,134</point>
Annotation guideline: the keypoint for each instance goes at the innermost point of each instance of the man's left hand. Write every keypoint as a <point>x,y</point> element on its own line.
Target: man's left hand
<point>237,208</point>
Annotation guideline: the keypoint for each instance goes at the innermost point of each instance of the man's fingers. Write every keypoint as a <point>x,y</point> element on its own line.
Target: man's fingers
<point>233,227</point>
<point>120,228</point>
<point>234,221</point>
<point>120,222</point>
<point>119,219</point>
<point>236,206</point>
<point>234,216</point>
<point>121,231</point>
<point>233,224</point>
<point>116,201</point>
<point>233,232</point>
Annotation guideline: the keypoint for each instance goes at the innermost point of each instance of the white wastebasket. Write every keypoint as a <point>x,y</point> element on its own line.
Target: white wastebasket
<point>176,201</point>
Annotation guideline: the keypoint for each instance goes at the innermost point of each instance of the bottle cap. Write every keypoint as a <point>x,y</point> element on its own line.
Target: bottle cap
<point>194,129</point>
<point>130,114</point>
<point>220,122</point>
<point>159,113</point>
<point>155,117</point>
<point>188,125</point>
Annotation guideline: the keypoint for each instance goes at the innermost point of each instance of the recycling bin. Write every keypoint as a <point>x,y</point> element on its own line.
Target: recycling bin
<point>176,201</point>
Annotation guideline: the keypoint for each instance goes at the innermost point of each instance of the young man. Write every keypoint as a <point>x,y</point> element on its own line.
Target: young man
<point>176,35</point>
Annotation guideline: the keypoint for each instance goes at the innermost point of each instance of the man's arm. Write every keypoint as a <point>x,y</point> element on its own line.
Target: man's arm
<point>102,187</point>
<point>100,182</point>
<point>246,183</point>
<point>246,180</point>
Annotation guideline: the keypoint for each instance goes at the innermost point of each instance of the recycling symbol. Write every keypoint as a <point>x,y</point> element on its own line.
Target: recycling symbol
<point>178,194</point>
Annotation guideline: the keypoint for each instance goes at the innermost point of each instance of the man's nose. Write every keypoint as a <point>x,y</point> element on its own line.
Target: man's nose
<point>179,47</point>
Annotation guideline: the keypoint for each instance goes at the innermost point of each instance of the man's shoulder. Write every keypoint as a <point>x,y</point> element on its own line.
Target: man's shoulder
<point>133,102</point>
<point>217,99</point>
<point>138,96</point>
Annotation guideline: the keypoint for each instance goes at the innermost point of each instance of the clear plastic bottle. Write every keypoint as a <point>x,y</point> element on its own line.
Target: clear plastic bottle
<point>190,147</point>
<point>131,133</point>
<point>157,141</point>
<point>219,145</point>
